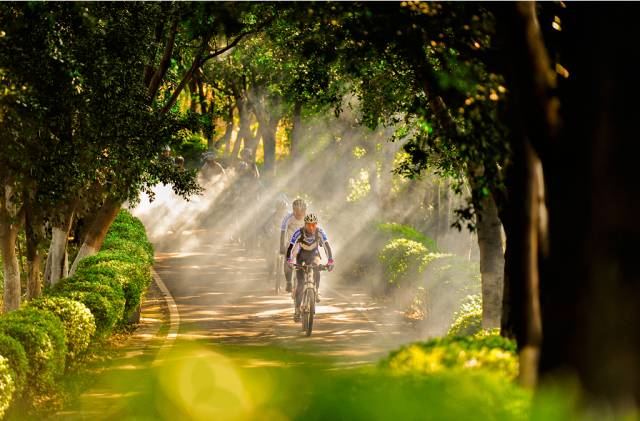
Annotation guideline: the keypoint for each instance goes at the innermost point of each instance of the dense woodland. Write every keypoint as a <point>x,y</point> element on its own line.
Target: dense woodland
<point>493,132</point>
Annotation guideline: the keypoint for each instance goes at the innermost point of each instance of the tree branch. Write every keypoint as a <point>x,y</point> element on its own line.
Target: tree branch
<point>197,62</point>
<point>237,40</point>
<point>154,85</point>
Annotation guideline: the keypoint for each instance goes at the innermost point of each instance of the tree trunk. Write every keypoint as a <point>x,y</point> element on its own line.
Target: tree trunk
<point>57,259</point>
<point>34,235</point>
<point>193,96</point>
<point>436,211</point>
<point>592,283</point>
<point>228,132</point>
<point>244,131</point>
<point>491,263</point>
<point>97,231</point>
<point>521,303</point>
<point>9,226</point>
<point>296,130</point>
<point>11,271</point>
<point>269,143</point>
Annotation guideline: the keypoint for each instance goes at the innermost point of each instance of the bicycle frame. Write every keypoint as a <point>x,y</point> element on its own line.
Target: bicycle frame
<point>309,294</point>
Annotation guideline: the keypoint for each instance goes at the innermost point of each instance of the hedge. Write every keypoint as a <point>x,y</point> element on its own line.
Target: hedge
<point>16,356</point>
<point>7,385</point>
<point>41,335</point>
<point>37,340</point>
<point>79,323</point>
<point>485,352</point>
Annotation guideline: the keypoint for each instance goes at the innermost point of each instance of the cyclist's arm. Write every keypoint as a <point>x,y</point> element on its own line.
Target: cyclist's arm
<point>282,250</point>
<point>292,243</point>
<point>327,249</point>
<point>283,230</point>
<point>325,243</point>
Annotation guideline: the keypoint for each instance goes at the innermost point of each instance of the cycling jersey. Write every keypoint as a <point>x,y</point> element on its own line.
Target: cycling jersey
<point>309,243</point>
<point>288,227</point>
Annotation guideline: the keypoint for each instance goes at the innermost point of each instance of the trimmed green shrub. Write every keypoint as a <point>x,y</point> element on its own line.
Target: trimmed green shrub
<point>468,320</point>
<point>488,352</point>
<point>132,277</point>
<point>127,227</point>
<point>7,385</point>
<point>42,336</point>
<point>103,296</point>
<point>120,249</point>
<point>104,315</point>
<point>109,288</point>
<point>395,230</point>
<point>79,323</point>
<point>403,259</point>
<point>15,354</point>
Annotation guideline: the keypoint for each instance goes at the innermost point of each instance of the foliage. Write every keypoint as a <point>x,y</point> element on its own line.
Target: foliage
<point>468,320</point>
<point>396,230</point>
<point>191,149</point>
<point>79,324</point>
<point>403,260</point>
<point>133,277</point>
<point>14,352</point>
<point>488,352</point>
<point>42,336</point>
<point>127,227</point>
<point>105,303</point>
<point>7,385</point>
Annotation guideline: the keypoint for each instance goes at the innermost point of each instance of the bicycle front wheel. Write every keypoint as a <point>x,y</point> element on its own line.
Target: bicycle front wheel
<point>311,300</point>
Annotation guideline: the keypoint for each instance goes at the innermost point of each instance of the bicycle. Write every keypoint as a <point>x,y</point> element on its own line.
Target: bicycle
<point>278,271</point>
<point>309,294</point>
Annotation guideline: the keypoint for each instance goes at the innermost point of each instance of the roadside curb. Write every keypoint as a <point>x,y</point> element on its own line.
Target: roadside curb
<point>174,317</point>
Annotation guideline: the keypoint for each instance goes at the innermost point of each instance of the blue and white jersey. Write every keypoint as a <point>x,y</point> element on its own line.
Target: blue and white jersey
<point>309,241</point>
<point>290,225</point>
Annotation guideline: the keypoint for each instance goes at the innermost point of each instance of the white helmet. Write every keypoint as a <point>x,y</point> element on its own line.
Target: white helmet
<point>299,204</point>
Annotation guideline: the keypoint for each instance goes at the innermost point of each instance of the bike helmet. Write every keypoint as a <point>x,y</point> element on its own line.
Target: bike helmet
<point>311,218</point>
<point>299,204</point>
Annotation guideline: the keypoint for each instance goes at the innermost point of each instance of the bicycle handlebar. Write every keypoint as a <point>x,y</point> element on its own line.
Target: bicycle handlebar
<point>304,267</point>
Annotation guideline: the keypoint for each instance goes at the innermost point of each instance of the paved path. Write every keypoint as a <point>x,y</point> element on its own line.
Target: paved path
<point>224,297</point>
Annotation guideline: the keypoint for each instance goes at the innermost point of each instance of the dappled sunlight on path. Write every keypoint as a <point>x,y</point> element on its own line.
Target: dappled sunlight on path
<point>224,296</point>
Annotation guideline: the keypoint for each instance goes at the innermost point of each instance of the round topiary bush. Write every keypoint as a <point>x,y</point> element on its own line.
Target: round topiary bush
<point>488,352</point>
<point>104,314</point>
<point>467,321</point>
<point>7,385</point>
<point>77,319</point>
<point>128,250</point>
<point>42,336</point>
<point>109,288</point>
<point>127,227</point>
<point>403,260</point>
<point>16,356</point>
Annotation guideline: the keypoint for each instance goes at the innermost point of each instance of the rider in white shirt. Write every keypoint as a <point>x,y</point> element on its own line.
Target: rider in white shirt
<point>292,222</point>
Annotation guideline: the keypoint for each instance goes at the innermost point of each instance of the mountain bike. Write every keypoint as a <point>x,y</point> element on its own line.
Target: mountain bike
<point>309,293</point>
<point>278,271</point>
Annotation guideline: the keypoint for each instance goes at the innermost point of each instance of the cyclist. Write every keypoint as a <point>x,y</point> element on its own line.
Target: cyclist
<point>292,222</point>
<point>307,242</point>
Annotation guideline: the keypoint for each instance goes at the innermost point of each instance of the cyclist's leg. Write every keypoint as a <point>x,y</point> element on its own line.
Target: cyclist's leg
<point>316,273</point>
<point>287,275</point>
<point>299,281</point>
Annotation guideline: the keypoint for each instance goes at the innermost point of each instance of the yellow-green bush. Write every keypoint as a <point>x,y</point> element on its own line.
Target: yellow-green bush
<point>79,323</point>
<point>468,320</point>
<point>36,340</point>
<point>16,357</point>
<point>42,336</point>
<point>7,385</point>
<point>488,352</point>
<point>402,259</point>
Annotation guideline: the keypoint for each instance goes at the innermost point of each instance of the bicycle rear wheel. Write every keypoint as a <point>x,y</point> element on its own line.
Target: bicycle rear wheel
<point>279,273</point>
